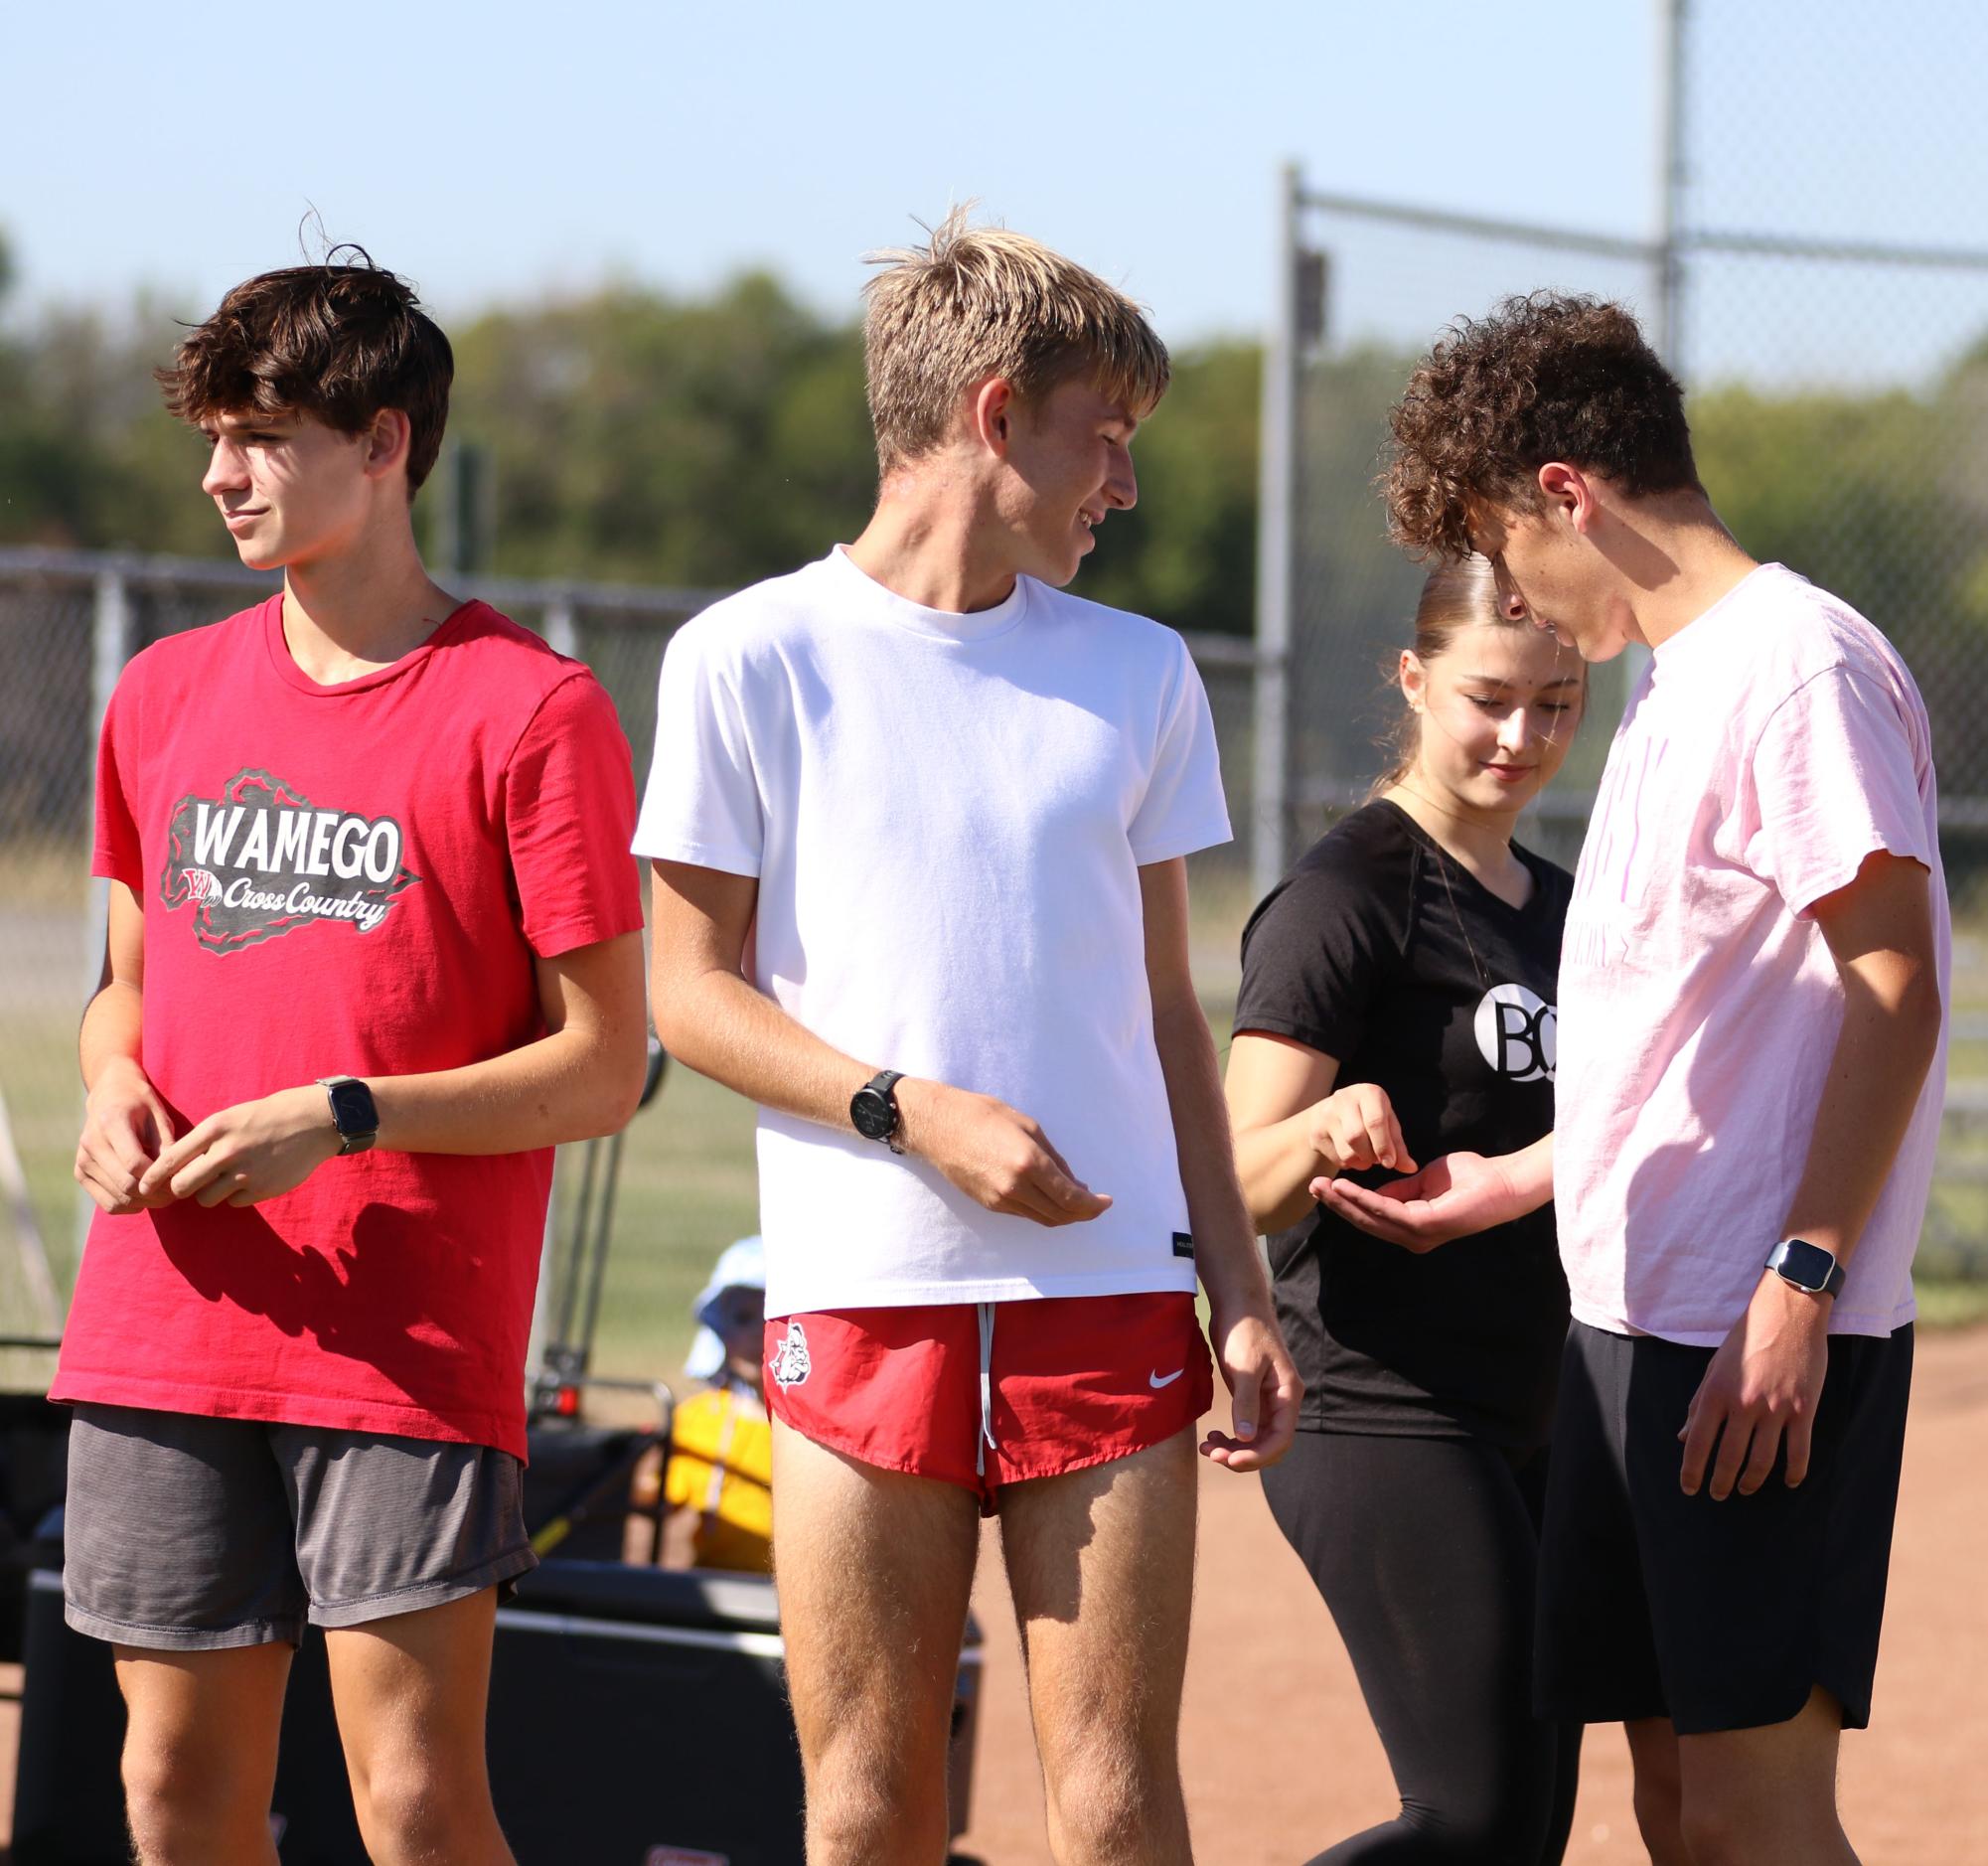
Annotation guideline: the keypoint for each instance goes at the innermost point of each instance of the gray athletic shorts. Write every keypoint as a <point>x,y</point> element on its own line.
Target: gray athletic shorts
<point>186,1533</point>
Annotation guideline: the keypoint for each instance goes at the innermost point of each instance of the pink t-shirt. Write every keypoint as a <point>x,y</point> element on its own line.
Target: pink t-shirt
<point>346,880</point>
<point>1767,749</point>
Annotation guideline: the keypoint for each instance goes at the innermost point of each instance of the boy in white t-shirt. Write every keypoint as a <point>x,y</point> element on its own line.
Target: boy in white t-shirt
<point>919,822</point>
<point>1751,1043</point>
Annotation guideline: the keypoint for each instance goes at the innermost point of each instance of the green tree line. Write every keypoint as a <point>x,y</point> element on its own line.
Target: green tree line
<point>642,436</point>
<point>634,436</point>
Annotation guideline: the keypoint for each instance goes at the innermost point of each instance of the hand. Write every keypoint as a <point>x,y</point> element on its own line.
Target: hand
<point>1450,1197</point>
<point>1763,1385</point>
<point>248,1153</point>
<point>1264,1389</point>
<point>125,1127</point>
<point>1355,1127</point>
<point>993,1154</point>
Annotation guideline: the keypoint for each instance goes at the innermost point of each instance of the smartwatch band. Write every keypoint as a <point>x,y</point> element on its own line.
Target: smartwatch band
<point>874,1109</point>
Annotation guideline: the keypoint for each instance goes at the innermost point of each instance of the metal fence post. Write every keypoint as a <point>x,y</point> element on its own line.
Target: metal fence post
<point>1673,176</point>
<point>563,629</point>
<point>1269,829</point>
<point>110,647</point>
<point>559,625</point>
<point>1666,256</point>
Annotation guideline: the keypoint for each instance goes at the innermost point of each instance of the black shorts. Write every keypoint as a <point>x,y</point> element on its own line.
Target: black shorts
<point>1718,1616</point>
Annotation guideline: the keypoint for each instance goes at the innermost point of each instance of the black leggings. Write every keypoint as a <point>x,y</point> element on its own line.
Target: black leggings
<point>1424,1550</point>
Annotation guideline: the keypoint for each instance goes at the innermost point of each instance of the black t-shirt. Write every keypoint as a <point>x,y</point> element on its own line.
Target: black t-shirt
<point>1380,951</point>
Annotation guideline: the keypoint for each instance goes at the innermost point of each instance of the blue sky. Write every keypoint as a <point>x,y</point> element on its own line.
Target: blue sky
<point>504,151</point>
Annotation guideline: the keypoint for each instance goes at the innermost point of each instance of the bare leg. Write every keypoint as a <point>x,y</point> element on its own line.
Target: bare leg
<point>874,1569</point>
<point>1101,1563</point>
<point>410,1693</point>
<point>1767,1797</point>
<point>199,1753</point>
<point>1659,1790</point>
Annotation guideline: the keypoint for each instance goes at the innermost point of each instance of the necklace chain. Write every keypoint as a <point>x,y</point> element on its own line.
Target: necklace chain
<point>1457,914</point>
<point>1443,868</point>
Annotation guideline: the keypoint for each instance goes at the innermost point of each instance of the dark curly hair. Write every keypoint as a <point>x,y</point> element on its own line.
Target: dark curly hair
<point>336,342</point>
<point>1543,377</point>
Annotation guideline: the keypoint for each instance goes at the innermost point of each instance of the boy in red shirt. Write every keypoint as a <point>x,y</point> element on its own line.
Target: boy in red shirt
<point>374,950</point>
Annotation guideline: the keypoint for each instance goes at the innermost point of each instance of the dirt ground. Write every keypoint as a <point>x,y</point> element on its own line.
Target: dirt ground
<point>1279,1758</point>
<point>1281,1761</point>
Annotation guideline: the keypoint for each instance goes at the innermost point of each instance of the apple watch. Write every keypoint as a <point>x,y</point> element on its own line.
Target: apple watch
<point>1807,1267</point>
<point>874,1109</point>
<point>351,1111</point>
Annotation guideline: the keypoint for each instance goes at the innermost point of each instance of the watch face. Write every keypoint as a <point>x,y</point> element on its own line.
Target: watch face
<point>874,1116</point>
<point>1806,1264</point>
<point>352,1108</point>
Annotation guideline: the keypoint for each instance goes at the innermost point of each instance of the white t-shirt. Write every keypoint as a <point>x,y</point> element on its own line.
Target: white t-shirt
<point>1769,748</point>
<point>947,815</point>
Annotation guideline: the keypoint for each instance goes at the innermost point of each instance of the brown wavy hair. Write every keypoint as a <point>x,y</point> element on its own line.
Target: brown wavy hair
<point>1456,595</point>
<point>1543,377</point>
<point>336,342</point>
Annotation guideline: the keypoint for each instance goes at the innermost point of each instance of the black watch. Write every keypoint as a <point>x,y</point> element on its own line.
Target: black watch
<point>351,1111</point>
<point>874,1109</point>
<point>1809,1267</point>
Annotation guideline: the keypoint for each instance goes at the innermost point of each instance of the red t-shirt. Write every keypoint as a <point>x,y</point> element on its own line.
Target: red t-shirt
<point>346,880</point>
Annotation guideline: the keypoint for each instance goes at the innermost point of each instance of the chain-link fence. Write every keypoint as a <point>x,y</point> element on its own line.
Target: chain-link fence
<point>1825,297</point>
<point>68,624</point>
<point>1373,284</point>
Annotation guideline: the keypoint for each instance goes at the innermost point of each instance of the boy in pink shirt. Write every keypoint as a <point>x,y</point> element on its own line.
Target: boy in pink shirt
<point>1752,1053</point>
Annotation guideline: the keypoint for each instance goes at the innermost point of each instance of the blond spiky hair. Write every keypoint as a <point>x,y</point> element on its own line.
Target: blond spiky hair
<point>982,301</point>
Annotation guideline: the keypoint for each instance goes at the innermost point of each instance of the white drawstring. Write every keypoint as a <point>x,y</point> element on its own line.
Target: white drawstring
<point>987,1437</point>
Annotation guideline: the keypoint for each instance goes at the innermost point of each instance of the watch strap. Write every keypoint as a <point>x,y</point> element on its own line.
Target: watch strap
<point>879,1088</point>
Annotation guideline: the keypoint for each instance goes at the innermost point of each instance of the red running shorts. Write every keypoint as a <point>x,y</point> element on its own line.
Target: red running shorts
<point>982,1394</point>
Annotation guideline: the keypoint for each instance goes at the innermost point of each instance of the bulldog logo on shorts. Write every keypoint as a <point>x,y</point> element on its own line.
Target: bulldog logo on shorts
<point>790,1359</point>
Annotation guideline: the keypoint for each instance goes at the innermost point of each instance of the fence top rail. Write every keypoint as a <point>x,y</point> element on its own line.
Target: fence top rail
<point>1225,651</point>
<point>624,604</point>
<point>1837,251</point>
<point>1439,220</point>
<point>86,566</point>
<point>1685,240</point>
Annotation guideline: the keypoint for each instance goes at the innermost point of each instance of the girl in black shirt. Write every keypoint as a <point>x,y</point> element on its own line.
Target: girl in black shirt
<point>1397,1005</point>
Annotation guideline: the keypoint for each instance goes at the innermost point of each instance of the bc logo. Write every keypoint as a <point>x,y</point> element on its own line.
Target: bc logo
<point>1517,1031</point>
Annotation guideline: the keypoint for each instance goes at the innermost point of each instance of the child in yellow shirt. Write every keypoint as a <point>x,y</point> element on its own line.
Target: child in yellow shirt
<point>718,1484</point>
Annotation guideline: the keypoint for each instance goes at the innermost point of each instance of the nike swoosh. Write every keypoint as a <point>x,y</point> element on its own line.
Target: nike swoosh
<point>1155,1380</point>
